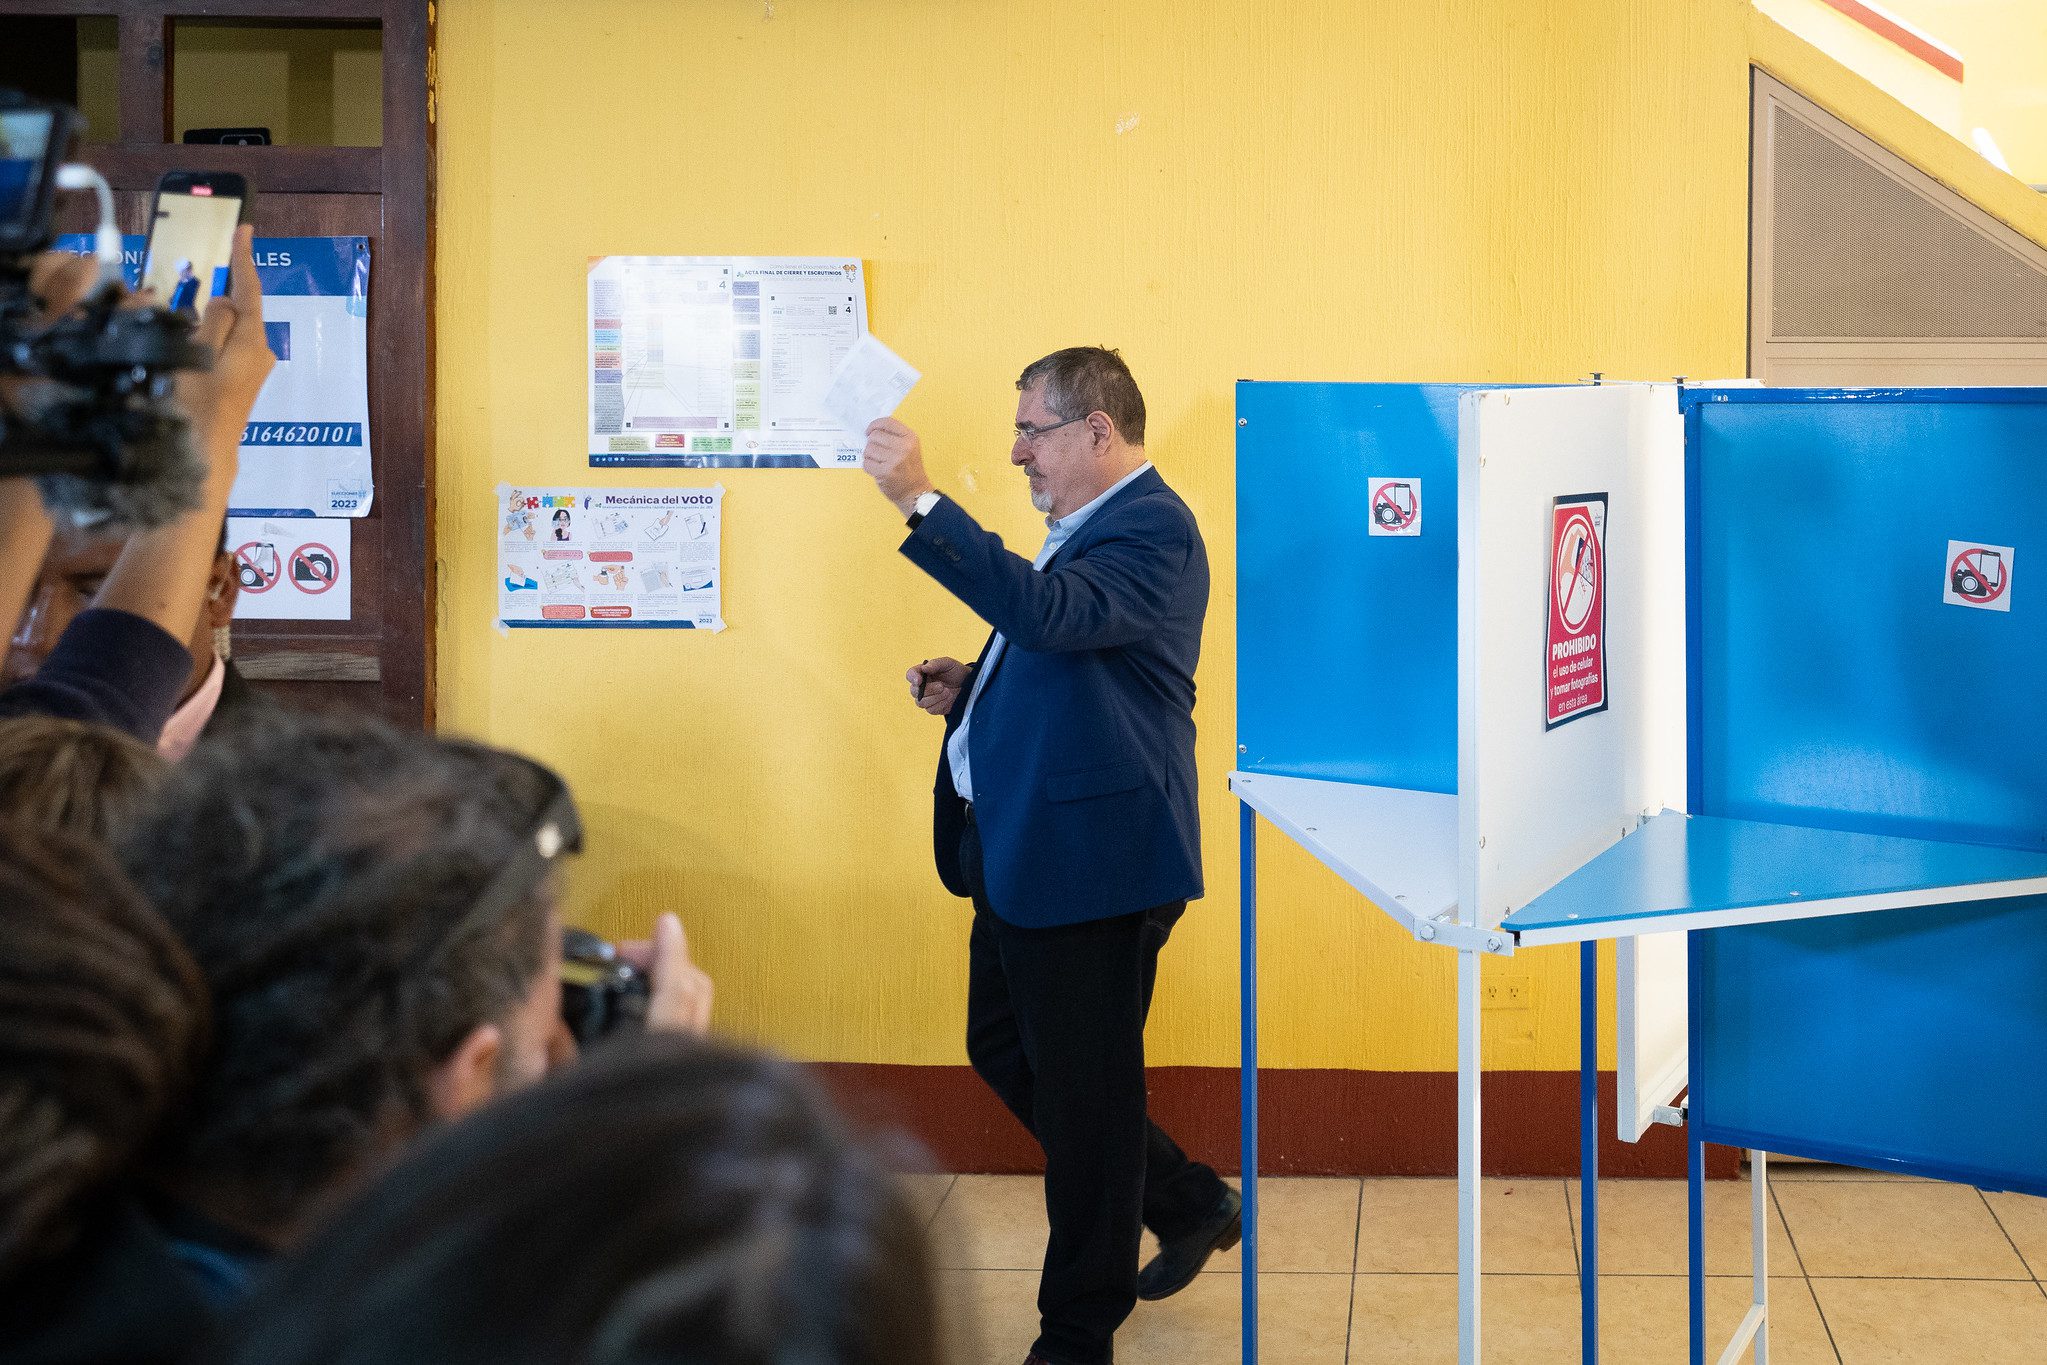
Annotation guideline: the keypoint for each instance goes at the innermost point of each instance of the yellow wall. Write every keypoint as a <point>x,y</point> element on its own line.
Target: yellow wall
<point>1463,189</point>
<point>2003,45</point>
<point>1928,92</point>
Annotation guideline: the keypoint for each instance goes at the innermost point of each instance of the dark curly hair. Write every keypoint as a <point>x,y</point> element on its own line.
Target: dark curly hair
<point>663,1202</point>
<point>102,1025</point>
<point>320,868</point>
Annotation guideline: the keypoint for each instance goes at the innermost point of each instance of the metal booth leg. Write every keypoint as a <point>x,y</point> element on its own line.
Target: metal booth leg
<point>1247,1065</point>
<point>1695,1151</point>
<point>1759,1247</point>
<point>1696,1193</point>
<point>1588,1141</point>
<point>1468,1168</point>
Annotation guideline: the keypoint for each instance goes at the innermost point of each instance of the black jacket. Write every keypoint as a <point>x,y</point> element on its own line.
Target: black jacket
<point>121,1297</point>
<point>111,668</point>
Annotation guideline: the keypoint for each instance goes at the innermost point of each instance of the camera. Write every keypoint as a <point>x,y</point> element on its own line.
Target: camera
<point>602,993</point>
<point>88,411</point>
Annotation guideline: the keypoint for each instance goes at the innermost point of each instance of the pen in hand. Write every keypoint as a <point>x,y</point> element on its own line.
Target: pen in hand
<point>917,693</point>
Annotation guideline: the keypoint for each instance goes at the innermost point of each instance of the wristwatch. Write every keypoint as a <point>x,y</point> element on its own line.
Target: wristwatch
<point>925,502</point>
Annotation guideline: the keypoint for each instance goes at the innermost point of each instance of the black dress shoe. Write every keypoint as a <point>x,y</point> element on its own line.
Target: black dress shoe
<point>1181,1259</point>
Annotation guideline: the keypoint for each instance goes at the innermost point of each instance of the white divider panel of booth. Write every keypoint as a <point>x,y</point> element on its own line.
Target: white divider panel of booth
<point>1651,1024</point>
<point>1537,800</point>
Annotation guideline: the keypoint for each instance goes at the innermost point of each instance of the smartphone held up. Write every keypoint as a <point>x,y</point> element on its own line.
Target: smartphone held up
<point>191,231</point>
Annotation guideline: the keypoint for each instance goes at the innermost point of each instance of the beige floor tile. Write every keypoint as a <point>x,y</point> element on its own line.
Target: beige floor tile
<point>993,1222</point>
<point>1646,1320</point>
<point>1935,1322</point>
<point>1411,1226</point>
<point>997,1222</point>
<point>927,1192</point>
<point>1412,1319</point>
<point>1900,1229</point>
<point>1302,1320</point>
<point>1535,1320</point>
<point>994,1312</point>
<point>1644,1225</point>
<point>2024,1217</point>
<point>1783,1168</point>
<point>1303,1224</point>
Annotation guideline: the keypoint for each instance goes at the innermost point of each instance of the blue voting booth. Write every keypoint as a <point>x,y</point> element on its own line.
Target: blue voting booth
<point>1887,1039</point>
<point>1846,869</point>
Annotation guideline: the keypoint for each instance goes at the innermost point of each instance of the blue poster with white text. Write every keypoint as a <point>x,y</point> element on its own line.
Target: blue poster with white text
<point>306,450</point>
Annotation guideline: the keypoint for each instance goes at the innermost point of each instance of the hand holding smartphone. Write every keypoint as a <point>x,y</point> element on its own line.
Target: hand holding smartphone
<point>191,234</point>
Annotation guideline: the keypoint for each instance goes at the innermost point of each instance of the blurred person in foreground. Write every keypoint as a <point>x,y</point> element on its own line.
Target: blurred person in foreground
<point>124,659</point>
<point>86,780</point>
<point>376,914</point>
<point>668,1202</point>
<point>103,1025</point>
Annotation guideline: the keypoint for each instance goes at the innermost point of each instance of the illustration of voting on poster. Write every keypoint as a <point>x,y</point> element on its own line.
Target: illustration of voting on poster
<point>610,557</point>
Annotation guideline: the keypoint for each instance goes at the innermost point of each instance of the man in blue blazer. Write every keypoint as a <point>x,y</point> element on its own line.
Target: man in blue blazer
<point>1066,812</point>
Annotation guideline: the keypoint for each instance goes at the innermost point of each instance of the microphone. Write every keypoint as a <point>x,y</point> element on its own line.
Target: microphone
<point>116,469</point>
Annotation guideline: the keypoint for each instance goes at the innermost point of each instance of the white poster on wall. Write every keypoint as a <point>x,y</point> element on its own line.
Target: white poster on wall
<point>292,568</point>
<point>610,557</point>
<point>306,450</point>
<point>712,362</point>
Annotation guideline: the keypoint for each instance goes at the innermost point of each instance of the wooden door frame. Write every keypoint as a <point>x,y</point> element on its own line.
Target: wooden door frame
<point>400,659</point>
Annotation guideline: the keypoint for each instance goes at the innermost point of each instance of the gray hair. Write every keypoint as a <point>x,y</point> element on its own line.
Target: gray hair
<point>1084,379</point>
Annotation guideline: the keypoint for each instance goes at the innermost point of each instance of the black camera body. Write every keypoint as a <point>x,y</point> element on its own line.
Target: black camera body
<point>602,993</point>
<point>92,419</point>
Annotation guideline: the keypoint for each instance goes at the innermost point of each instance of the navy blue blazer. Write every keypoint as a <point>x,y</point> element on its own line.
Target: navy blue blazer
<point>1083,738</point>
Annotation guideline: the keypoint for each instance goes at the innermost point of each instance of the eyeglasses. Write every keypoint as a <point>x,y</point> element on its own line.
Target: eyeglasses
<point>1027,433</point>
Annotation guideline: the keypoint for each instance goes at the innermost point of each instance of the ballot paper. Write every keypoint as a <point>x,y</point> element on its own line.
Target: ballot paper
<point>872,381</point>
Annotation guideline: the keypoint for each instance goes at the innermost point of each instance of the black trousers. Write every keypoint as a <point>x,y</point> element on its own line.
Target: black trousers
<point>1055,1026</point>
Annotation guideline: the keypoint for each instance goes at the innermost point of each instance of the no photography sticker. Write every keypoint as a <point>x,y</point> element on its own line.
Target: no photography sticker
<point>1575,660</point>
<point>1396,507</point>
<point>256,566</point>
<point>1978,575</point>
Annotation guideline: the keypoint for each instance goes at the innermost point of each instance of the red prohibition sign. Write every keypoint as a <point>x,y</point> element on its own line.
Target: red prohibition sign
<point>1569,568</point>
<point>1403,517</point>
<point>313,581</point>
<point>1972,559</point>
<point>247,566</point>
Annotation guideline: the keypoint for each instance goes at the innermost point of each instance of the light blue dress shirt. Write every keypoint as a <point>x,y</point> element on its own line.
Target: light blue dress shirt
<point>1057,533</point>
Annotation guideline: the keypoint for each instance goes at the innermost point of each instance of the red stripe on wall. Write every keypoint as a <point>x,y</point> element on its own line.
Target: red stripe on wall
<point>1877,22</point>
<point>1379,1123</point>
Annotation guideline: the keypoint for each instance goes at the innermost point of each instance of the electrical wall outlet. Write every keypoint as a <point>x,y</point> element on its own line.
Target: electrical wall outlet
<point>1509,991</point>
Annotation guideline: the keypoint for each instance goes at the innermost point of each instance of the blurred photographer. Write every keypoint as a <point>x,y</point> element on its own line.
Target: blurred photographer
<point>123,661</point>
<point>376,914</point>
<point>667,1202</point>
<point>103,1024</point>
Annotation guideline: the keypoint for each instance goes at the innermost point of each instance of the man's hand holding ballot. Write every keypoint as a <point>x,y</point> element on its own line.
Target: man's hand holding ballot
<point>895,458</point>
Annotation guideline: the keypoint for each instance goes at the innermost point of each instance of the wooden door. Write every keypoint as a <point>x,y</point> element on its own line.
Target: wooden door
<point>382,659</point>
